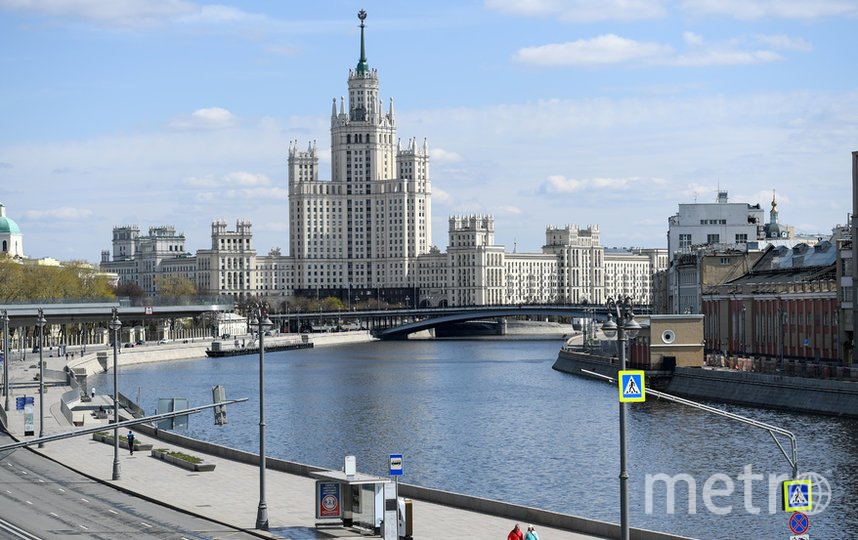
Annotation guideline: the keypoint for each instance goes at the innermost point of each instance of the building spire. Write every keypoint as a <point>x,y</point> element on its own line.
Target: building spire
<point>362,66</point>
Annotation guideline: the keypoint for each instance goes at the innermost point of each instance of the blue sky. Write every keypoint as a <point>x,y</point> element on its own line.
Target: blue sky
<point>539,112</point>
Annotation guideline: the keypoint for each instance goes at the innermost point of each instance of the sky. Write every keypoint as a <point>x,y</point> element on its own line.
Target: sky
<point>538,112</point>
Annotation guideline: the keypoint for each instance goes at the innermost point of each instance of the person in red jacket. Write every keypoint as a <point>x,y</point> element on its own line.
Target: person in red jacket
<point>515,534</point>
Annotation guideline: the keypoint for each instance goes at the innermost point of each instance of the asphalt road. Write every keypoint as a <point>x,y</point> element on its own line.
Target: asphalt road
<point>40,498</point>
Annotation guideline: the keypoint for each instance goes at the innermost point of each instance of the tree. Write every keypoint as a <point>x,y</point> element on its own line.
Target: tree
<point>129,289</point>
<point>73,279</point>
<point>173,285</point>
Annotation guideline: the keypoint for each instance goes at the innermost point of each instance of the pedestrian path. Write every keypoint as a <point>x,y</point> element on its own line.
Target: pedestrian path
<point>230,493</point>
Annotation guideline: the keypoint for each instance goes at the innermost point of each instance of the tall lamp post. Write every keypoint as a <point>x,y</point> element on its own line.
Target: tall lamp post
<point>262,323</point>
<point>41,322</point>
<point>625,328</point>
<point>115,324</point>
<point>5,319</point>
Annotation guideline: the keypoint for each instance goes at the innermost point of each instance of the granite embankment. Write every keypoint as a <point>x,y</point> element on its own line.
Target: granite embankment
<point>174,351</point>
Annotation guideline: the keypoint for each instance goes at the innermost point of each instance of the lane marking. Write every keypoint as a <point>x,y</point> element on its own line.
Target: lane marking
<point>53,514</point>
<point>112,511</point>
<point>145,524</point>
<point>84,527</point>
<point>84,500</point>
<point>28,502</point>
<point>61,490</point>
<point>42,481</point>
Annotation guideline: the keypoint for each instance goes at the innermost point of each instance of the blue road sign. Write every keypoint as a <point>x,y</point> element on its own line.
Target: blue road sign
<point>798,523</point>
<point>21,402</point>
<point>395,464</point>
<point>632,385</point>
<point>797,495</point>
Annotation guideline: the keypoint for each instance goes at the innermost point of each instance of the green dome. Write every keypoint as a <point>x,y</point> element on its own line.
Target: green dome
<point>8,226</point>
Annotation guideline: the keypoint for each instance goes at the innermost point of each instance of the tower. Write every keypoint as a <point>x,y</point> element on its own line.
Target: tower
<point>366,226</point>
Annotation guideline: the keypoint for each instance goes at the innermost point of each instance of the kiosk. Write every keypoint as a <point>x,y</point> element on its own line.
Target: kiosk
<point>357,500</point>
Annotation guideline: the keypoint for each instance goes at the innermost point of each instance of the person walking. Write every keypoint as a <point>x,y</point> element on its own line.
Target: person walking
<point>515,533</point>
<point>92,392</point>
<point>531,533</point>
<point>130,438</point>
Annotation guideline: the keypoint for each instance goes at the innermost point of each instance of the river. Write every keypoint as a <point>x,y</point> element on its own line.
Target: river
<point>489,417</point>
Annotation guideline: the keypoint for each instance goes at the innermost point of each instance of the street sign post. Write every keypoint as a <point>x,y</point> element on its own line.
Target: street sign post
<point>632,385</point>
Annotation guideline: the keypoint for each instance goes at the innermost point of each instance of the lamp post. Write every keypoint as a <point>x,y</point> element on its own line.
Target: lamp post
<point>115,324</point>
<point>262,323</point>
<point>41,322</point>
<point>5,319</point>
<point>625,328</point>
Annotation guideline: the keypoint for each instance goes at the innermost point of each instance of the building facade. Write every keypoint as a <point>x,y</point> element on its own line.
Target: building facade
<point>785,307</point>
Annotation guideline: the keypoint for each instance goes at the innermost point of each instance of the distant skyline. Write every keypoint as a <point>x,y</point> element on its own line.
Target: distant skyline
<point>608,112</point>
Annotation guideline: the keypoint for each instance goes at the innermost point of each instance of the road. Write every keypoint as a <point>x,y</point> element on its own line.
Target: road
<point>40,498</point>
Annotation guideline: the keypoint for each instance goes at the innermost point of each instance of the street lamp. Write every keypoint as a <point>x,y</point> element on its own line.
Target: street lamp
<point>625,328</point>
<point>41,322</point>
<point>262,323</point>
<point>115,324</point>
<point>5,320</point>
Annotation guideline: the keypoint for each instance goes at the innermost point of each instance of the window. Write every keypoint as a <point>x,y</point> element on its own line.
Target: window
<point>741,238</point>
<point>713,238</point>
<point>684,240</point>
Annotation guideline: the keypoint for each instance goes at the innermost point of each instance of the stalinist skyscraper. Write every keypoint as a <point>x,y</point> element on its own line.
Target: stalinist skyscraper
<point>366,226</point>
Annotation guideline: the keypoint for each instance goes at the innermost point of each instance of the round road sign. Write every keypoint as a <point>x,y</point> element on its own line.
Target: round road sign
<point>798,523</point>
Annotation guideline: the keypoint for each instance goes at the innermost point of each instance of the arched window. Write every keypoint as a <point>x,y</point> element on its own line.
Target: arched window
<point>4,246</point>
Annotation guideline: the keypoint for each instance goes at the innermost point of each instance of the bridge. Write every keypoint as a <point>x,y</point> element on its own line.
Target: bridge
<point>398,323</point>
<point>78,311</point>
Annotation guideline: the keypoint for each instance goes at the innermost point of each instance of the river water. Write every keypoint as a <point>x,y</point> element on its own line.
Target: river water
<point>489,417</point>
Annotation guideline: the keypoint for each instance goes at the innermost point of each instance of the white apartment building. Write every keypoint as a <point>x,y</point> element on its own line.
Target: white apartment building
<point>629,272</point>
<point>140,259</point>
<point>718,223</point>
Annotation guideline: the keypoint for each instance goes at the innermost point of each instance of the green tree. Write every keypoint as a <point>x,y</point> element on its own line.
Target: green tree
<point>173,285</point>
<point>73,279</point>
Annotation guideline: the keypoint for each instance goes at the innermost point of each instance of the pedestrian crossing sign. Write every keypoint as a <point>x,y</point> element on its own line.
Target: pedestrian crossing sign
<point>632,386</point>
<point>797,495</point>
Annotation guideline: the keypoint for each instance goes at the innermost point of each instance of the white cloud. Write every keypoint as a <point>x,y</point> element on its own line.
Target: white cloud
<point>125,13</point>
<point>207,181</point>
<point>762,9</point>
<point>439,155</point>
<point>721,57</point>
<point>266,193</point>
<point>560,184</point>
<point>65,213</point>
<point>610,49</point>
<point>202,119</point>
<point>785,42</point>
<point>439,195</point>
<point>582,11</point>
<point>692,39</point>
<point>246,179</point>
<point>507,210</point>
<point>604,49</point>
<point>284,50</point>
